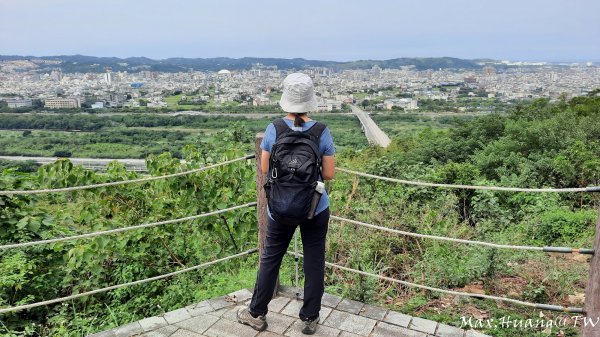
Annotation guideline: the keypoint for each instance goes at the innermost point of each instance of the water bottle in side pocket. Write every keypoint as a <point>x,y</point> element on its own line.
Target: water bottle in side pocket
<point>319,190</point>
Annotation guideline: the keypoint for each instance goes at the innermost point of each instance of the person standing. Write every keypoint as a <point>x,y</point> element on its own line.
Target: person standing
<point>298,98</point>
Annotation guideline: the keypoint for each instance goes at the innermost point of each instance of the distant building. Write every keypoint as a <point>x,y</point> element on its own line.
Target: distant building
<point>56,75</point>
<point>329,105</point>
<point>108,77</point>
<point>62,103</point>
<point>18,103</point>
<point>470,79</point>
<point>404,103</point>
<point>261,100</point>
<point>98,105</point>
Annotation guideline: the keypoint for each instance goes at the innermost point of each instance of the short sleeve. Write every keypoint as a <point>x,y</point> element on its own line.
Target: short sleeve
<point>326,146</point>
<point>269,138</point>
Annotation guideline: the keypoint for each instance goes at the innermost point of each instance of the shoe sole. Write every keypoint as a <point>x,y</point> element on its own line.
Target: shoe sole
<point>262,328</point>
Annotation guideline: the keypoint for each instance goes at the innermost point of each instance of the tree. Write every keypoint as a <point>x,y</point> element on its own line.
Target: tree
<point>365,103</point>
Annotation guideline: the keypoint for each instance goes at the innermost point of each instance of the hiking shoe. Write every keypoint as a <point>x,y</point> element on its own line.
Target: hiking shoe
<point>309,327</point>
<point>257,323</point>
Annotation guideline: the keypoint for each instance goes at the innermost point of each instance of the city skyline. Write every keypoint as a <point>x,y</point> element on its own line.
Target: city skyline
<point>553,31</point>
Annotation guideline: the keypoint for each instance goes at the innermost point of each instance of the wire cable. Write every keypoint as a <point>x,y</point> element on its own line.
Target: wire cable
<point>458,293</point>
<point>471,242</point>
<point>92,292</point>
<point>473,187</point>
<point>118,230</point>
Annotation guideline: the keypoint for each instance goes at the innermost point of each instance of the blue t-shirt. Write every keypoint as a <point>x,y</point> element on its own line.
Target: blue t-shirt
<point>326,148</point>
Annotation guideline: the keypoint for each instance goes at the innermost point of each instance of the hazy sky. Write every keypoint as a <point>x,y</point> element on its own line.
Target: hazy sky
<point>554,30</point>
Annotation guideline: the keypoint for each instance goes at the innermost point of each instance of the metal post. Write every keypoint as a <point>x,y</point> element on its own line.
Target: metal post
<point>261,199</point>
<point>296,256</point>
<point>592,291</point>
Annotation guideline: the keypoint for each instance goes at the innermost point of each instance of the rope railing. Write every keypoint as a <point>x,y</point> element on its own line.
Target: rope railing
<point>155,278</point>
<point>452,292</point>
<point>472,242</point>
<point>473,187</point>
<point>124,182</point>
<point>123,229</point>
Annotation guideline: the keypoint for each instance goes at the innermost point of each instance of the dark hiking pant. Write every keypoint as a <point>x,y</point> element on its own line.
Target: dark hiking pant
<point>277,240</point>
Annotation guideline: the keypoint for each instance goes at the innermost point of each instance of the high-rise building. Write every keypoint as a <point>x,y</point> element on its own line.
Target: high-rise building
<point>108,77</point>
<point>56,75</point>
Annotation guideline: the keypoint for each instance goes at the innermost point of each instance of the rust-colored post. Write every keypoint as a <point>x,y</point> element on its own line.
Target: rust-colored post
<point>592,291</point>
<point>261,199</point>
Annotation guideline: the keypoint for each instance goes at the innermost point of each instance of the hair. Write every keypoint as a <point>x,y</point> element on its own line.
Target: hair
<point>298,121</point>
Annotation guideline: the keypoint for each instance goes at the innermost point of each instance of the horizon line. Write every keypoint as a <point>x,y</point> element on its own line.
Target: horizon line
<point>311,59</point>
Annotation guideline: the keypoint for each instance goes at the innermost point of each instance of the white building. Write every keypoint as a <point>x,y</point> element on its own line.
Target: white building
<point>18,103</point>
<point>329,105</point>
<point>404,103</point>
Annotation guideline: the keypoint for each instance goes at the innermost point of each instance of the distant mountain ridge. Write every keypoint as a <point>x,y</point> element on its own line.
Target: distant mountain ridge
<point>82,63</point>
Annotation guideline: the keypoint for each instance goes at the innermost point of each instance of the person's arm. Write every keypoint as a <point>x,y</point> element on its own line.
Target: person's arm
<point>328,167</point>
<point>264,162</point>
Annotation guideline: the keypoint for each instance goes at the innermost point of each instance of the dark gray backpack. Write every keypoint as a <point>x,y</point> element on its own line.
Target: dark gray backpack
<point>294,169</point>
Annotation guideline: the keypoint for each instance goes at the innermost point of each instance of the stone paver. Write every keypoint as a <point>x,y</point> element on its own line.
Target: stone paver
<point>231,313</point>
<point>348,334</point>
<point>373,312</point>
<point>227,328</point>
<point>293,309</point>
<point>397,318</point>
<point>165,331</point>
<point>185,333</point>
<point>128,330</point>
<point>279,323</point>
<point>240,295</point>
<point>350,306</point>
<point>349,322</point>
<point>445,330</point>
<point>473,333</point>
<point>178,315</point>
<point>153,323</point>
<point>267,333</point>
<point>198,324</point>
<point>199,309</point>
<point>296,330</point>
<point>339,317</point>
<point>277,304</point>
<point>383,329</point>
<point>330,300</point>
<point>219,302</point>
<point>423,325</point>
<point>219,312</point>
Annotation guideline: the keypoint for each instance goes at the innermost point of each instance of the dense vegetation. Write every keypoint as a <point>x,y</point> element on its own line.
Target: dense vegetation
<point>537,145</point>
<point>136,136</point>
<point>64,268</point>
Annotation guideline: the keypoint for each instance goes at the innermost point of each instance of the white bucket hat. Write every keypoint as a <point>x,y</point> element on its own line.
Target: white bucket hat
<point>298,94</point>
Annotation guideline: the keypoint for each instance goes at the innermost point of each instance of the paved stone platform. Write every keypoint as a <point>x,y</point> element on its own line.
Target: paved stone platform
<point>340,317</point>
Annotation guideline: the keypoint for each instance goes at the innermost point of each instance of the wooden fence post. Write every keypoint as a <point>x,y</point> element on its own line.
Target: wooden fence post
<point>261,206</point>
<point>592,291</point>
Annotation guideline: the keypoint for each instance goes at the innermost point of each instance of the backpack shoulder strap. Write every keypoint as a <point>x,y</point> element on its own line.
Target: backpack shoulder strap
<point>281,128</point>
<point>317,130</point>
